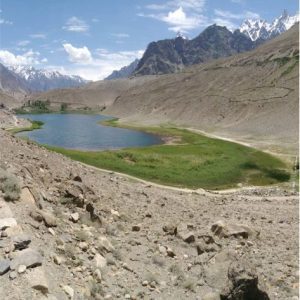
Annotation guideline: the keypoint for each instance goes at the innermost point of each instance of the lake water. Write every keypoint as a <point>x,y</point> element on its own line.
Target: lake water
<point>82,132</point>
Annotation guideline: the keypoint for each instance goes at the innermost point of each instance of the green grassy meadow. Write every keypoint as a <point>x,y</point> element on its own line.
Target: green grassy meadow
<point>34,125</point>
<point>196,161</point>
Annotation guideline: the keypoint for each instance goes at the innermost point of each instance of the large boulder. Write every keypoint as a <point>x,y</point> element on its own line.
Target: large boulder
<point>243,284</point>
<point>223,230</point>
<point>28,257</point>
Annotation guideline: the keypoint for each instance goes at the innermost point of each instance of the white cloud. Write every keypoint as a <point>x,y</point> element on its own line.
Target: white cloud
<point>28,58</point>
<point>225,22</point>
<point>121,35</point>
<point>228,15</point>
<point>99,65</point>
<point>180,15</point>
<point>5,22</point>
<point>76,25</point>
<point>38,36</point>
<point>238,1</point>
<point>229,19</point>
<point>179,21</point>
<point>192,5</point>
<point>78,55</point>
<point>23,43</point>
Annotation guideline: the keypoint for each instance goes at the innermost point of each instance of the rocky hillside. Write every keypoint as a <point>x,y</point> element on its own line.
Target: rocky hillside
<point>252,96</point>
<point>170,56</point>
<point>124,72</point>
<point>11,84</point>
<point>96,95</point>
<point>69,231</point>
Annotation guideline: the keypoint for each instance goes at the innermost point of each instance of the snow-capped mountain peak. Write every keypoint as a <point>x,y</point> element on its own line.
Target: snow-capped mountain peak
<point>43,79</point>
<point>257,28</point>
<point>179,34</point>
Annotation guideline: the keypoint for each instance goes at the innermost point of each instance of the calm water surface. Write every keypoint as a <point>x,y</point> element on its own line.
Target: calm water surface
<point>79,131</point>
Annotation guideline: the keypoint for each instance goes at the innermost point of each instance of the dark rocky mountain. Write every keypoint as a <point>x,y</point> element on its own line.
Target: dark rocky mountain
<point>172,55</point>
<point>123,72</point>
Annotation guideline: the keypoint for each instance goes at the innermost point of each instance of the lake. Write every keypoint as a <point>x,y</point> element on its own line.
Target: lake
<point>83,132</point>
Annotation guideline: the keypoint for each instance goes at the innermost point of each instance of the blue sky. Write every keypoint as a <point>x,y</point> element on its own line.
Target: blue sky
<point>91,38</point>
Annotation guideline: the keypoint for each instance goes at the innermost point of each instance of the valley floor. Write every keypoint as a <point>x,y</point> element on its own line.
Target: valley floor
<point>104,236</point>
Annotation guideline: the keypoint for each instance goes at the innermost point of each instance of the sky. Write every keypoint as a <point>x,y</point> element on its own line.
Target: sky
<point>91,38</point>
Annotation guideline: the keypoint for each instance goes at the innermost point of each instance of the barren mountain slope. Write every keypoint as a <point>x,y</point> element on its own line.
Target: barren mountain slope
<point>96,95</point>
<point>251,95</point>
<point>8,100</point>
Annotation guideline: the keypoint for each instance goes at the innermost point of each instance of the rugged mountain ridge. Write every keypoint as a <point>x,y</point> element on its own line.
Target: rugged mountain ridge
<point>172,55</point>
<point>124,72</point>
<point>250,96</point>
<point>39,80</point>
<point>260,29</point>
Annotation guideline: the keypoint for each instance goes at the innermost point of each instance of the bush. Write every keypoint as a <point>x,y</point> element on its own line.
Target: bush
<point>10,186</point>
<point>279,175</point>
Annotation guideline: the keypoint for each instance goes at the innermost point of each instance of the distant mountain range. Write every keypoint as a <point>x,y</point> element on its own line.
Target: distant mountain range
<point>18,81</point>
<point>172,55</point>
<point>40,80</point>
<point>260,29</point>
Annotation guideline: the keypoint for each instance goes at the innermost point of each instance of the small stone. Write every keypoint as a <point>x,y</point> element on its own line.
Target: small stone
<point>35,215</point>
<point>4,266</point>
<point>115,213</point>
<point>169,229</point>
<point>127,296</point>
<point>7,222</point>
<point>98,275</point>
<point>162,250</point>
<point>170,252</point>
<point>74,217</point>
<point>100,261</point>
<point>105,244</point>
<point>51,231</point>
<point>249,243</point>
<point>49,219</point>
<point>188,237</point>
<point>21,269</point>
<point>21,241</point>
<point>69,291</point>
<point>12,275</point>
<point>28,257</point>
<point>4,234</point>
<point>136,227</point>
<point>83,246</point>
<point>183,231</point>
<point>57,259</point>
<point>145,283</point>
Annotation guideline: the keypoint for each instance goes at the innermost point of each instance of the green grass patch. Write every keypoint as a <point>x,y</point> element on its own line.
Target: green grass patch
<point>34,125</point>
<point>196,161</point>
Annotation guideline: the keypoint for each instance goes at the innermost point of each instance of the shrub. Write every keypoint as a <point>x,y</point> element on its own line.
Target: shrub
<point>10,186</point>
<point>279,175</point>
